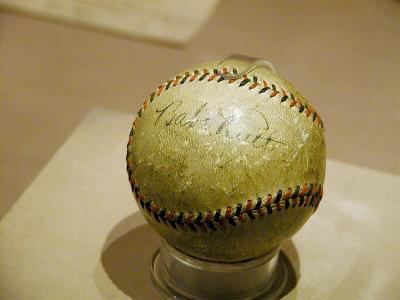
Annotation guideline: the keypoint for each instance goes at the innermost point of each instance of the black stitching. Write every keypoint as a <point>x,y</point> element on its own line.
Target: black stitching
<point>250,214</point>
<point>168,85</point>
<point>148,206</point>
<point>173,224</point>
<point>137,190</point>
<point>244,82</point>
<point>238,209</point>
<point>277,197</point>
<point>199,218</point>
<point>284,98</point>
<point>295,193</point>
<point>152,96</point>
<point>287,203</point>
<point>217,216</point>
<point>259,202</point>
<point>184,79</point>
<point>155,215</point>
<point>203,76</point>
<point>263,90</point>
<point>179,220</point>
<point>301,201</point>
<point>161,214</point>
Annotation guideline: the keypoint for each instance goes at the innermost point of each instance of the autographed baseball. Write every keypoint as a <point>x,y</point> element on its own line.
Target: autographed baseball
<point>225,163</point>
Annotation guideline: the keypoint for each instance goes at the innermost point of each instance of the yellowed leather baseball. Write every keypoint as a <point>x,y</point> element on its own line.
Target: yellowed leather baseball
<point>226,167</point>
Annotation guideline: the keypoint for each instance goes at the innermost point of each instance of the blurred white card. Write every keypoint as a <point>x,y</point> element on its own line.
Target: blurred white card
<point>168,21</point>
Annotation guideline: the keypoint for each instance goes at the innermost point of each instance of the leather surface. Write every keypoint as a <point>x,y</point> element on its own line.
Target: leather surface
<point>205,145</point>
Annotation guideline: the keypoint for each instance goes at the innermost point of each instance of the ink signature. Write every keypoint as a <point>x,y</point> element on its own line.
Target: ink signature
<point>172,116</point>
<point>244,125</point>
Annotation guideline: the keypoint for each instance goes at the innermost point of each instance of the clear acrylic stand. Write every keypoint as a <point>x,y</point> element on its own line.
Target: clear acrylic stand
<point>182,277</point>
<point>252,64</point>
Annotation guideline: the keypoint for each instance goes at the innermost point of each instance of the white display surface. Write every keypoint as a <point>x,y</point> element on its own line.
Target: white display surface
<point>76,232</point>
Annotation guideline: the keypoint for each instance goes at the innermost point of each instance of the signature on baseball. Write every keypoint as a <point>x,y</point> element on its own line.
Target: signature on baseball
<point>244,125</point>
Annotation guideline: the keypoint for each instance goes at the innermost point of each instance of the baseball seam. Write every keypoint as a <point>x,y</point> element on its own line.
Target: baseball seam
<point>253,82</point>
<point>309,195</point>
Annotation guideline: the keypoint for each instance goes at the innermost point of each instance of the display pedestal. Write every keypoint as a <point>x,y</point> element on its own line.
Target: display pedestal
<point>179,276</point>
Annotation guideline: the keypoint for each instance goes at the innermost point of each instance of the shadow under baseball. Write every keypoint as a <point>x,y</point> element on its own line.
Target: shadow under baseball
<point>129,248</point>
<point>127,255</point>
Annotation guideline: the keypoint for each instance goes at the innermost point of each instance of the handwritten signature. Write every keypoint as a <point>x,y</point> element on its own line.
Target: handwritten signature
<point>248,126</point>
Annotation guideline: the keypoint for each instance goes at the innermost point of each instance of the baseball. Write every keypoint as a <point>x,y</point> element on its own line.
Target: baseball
<point>225,164</point>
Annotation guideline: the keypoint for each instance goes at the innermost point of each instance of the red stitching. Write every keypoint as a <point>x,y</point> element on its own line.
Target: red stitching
<point>253,85</point>
<point>274,93</point>
<point>212,77</point>
<point>193,77</point>
<point>160,88</point>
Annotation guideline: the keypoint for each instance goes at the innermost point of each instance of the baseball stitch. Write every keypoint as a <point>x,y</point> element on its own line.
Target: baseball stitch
<point>309,195</point>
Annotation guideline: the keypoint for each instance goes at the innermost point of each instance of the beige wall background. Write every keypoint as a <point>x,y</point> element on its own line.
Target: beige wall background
<point>343,55</point>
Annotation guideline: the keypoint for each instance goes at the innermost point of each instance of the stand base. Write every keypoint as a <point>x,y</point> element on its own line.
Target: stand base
<point>181,277</point>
